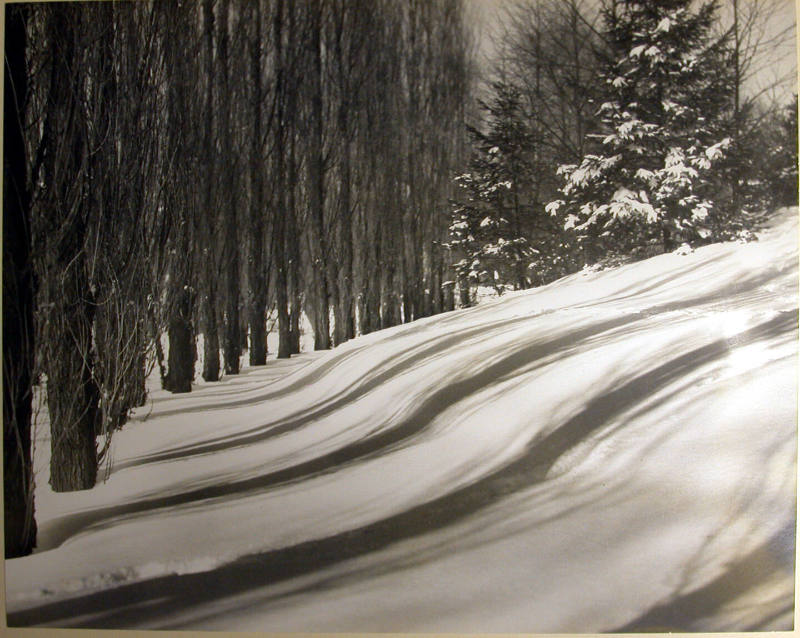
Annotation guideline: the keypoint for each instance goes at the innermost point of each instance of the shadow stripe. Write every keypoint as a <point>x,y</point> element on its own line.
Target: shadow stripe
<point>168,595</point>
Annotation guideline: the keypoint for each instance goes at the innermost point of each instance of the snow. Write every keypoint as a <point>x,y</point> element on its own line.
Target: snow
<point>615,450</point>
<point>637,50</point>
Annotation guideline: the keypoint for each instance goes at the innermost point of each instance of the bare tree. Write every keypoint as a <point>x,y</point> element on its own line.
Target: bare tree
<point>177,235</point>
<point>318,299</point>
<point>18,299</point>
<point>257,271</point>
<point>208,219</point>
<point>132,240</point>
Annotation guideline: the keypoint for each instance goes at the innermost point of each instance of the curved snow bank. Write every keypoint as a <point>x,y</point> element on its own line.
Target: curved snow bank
<point>613,451</point>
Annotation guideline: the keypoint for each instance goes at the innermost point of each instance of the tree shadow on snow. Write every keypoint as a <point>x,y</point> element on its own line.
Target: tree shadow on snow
<point>359,387</point>
<point>686,611</point>
<point>380,374</point>
<point>426,409</point>
<point>154,602</point>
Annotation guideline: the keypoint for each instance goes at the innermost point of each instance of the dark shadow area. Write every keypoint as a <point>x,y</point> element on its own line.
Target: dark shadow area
<point>156,600</point>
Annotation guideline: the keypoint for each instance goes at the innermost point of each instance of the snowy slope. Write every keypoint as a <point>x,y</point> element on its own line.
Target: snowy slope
<point>614,451</point>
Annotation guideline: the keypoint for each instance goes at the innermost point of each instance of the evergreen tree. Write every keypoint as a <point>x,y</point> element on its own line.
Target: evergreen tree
<point>759,172</point>
<point>666,117</point>
<point>783,157</point>
<point>490,227</point>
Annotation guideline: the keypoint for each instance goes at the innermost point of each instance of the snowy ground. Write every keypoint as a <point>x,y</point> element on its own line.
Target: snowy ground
<point>615,451</point>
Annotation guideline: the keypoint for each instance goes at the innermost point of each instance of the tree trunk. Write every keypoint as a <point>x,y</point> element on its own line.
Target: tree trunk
<point>390,255</point>
<point>71,393</point>
<point>211,367</point>
<point>71,390</point>
<point>292,232</point>
<point>320,298</point>
<point>257,268</point>
<point>667,239</point>
<point>322,323</point>
<point>211,363</point>
<point>294,325</point>
<point>345,320</point>
<point>371,320</point>
<point>293,250</point>
<point>258,334</point>
<point>155,337</point>
<point>370,298</point>
<point>281,279</point>
<point>18,303</point>
<point>181,345</point>
<point>428,285</point>
<point>281,282</point>
<point>180,329</point>
<point>181,206</point>
<point>232,339</point>
<point>465,296</point>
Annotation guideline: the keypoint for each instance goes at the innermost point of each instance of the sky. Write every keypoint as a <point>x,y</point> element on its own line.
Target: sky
<point>487,16</point>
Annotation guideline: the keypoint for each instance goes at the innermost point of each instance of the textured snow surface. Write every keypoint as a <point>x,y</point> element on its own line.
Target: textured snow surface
<point>614,451</point>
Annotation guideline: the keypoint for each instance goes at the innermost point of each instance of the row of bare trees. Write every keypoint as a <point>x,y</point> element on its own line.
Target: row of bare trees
<point>209,167</point>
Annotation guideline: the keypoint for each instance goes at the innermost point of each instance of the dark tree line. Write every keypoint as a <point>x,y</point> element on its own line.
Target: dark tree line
<point>204,169</point>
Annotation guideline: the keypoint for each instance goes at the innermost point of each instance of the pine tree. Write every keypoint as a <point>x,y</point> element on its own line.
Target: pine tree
<point>666,116</point>
<point>491,226</point>
<point>783,157</point>
<point>760,169</point>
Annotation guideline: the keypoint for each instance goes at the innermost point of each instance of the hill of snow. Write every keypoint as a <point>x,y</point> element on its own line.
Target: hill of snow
<point>614,451</point>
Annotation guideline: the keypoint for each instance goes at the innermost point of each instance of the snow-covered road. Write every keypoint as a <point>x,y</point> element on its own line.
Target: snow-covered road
<point>614,451</point>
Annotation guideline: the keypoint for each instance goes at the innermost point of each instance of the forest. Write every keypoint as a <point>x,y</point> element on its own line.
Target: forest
<point>183,178</point>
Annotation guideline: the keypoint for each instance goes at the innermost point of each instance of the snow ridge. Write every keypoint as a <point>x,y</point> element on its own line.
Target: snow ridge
<point>490,469</point>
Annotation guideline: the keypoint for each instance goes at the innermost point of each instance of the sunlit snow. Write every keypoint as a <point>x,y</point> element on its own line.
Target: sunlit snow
<point>614,451</point>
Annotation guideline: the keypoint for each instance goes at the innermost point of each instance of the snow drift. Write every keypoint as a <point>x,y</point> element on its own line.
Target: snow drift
<point>614,451</point>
